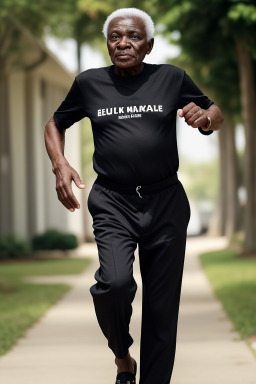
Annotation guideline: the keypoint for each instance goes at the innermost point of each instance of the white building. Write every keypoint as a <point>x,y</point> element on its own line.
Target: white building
<point>30,92</point>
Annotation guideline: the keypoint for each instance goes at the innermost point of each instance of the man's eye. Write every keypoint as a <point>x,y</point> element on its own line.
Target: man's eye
<point>114,36</point>
<point>135,36</point>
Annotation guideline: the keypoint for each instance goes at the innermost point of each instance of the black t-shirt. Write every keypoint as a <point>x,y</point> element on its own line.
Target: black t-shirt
<point>133,119</point>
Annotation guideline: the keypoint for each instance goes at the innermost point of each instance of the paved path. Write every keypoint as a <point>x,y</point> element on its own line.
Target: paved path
<point>66,345</point>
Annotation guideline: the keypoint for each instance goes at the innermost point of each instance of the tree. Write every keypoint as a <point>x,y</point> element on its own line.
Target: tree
<point>206,30</point>
<point>83,23</point>
<point>222,87</point>
<point>243,16</point>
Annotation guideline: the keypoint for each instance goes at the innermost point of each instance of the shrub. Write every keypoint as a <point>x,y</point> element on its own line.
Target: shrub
<point>54,239</point>
<point>12,246</point>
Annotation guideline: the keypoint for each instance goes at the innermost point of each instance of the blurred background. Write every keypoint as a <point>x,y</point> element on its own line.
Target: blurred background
<point>44,44</point>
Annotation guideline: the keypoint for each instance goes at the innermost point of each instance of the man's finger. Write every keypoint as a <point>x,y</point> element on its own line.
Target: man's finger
<point>188,107</point>
<point>192,117</point>
<point>180,113</point>
<point>192,112</point>
<point>63,188</point>
<point>68,198</point>
<point>78,181</point>
<point>71,197</point>
<point>62,198</point>
<point>67,205</point>
<point>200,122</point>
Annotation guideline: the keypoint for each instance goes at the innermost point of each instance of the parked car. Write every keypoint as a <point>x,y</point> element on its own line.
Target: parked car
<point>200,217</point>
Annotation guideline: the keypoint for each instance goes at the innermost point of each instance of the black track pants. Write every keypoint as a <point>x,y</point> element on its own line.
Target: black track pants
<point>157,222</point>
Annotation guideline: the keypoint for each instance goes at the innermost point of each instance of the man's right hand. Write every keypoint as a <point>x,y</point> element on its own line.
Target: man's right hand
<point>64,176</point>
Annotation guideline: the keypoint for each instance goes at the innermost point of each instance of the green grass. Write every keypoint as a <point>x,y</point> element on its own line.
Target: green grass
<point>234,282</point>
<point>43,267</point>
<point>22,304</point>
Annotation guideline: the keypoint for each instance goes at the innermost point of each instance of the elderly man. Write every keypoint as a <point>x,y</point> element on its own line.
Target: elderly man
<point>137,198</point>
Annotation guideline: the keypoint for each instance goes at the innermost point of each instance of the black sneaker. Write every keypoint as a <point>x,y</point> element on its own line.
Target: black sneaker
<point>127,377</point>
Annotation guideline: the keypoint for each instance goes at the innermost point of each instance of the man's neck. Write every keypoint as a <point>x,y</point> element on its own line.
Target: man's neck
<point>129,71</point>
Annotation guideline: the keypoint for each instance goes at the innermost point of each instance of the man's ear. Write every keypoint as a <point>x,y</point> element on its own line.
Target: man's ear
<point>150,45</point>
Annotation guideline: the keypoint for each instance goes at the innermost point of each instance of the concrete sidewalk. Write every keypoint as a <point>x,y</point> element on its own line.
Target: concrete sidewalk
<point>66,346</point>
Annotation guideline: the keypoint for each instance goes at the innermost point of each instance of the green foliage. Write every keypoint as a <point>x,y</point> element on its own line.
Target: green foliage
<point>42,267</point>
<point>207,33</point>
<point>93,8</point>
<point>243,12</point>
<point>234,282</point>
<point>79,19</point>
<point>11,246</point>
<point>54,239</point>
<point>33,15</point>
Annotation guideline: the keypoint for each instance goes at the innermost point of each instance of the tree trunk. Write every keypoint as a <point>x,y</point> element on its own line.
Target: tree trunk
<point>232,209</point>
<point>218,220</point>
<point>248,102</point>
<point>6,223</point>
<point>79,55</point>
<point>225,221</point>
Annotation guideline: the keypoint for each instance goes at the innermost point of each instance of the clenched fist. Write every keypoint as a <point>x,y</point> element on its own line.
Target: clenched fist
<point>194,115</point>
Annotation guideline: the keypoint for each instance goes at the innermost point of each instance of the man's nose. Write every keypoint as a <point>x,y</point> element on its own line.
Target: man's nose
<point>124,42</point>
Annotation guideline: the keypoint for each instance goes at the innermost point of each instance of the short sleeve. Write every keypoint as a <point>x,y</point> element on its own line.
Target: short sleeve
<point>72,109</point>
<point>190,92</point>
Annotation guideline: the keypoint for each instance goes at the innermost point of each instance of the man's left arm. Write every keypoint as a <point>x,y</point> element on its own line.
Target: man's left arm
<point>197,117</point>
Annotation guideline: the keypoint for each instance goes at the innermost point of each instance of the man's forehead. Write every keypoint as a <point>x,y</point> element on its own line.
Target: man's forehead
<point>129,22</point>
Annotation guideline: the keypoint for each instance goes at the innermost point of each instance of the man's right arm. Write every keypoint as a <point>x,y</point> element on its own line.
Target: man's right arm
<point>55,143</point>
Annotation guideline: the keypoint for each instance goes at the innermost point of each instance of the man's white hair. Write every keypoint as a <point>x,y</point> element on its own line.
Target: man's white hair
<point>124,12</point>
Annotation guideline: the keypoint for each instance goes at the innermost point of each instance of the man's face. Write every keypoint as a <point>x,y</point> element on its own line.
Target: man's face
<point>127,42</point>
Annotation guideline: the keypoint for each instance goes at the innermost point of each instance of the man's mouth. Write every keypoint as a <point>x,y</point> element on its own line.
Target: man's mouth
<point>124,55</point>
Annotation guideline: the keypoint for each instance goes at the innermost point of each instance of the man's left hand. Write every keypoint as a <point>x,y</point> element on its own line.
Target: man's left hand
<point>194,115</point>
